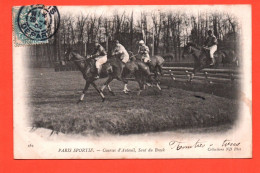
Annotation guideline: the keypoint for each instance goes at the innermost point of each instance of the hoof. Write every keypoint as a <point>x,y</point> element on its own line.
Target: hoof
<point>158,86</point>
<point>79,101</point>
<point>103,99</point>
<point>149,85</point>
<point>112,93</point>
<point>125,91</point>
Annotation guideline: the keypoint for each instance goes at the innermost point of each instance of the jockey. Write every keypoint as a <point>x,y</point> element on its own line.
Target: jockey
<point>144,52</point>
<point>120,50</point>
<point>211,43</point>
<point>100,56</point>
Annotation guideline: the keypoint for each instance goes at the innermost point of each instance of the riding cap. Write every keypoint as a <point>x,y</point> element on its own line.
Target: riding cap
<point>141,42</point>
<point>210,32</point>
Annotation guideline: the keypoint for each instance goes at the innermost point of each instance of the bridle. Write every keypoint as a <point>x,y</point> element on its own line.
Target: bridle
<point>77,60</point>
<point>192,48</point>
<point>133,56</point>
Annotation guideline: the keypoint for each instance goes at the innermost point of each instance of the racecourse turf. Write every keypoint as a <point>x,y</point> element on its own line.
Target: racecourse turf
<point>52,98</point>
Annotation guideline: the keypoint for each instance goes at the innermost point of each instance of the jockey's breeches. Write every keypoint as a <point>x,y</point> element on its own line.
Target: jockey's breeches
<point>146,58</point>
<point>101,60</point>
<point>212,50</point>
<point>124,58</point>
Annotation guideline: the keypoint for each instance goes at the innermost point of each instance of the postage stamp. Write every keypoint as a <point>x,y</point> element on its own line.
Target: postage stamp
<point>114,82</point>
<point>34,24</point>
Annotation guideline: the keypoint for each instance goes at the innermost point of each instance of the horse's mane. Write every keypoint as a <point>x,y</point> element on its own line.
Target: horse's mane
<point>76,54</point>
<point>193,45</point>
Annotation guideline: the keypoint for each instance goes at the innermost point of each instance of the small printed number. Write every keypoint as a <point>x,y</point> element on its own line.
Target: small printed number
<point>30,145</point>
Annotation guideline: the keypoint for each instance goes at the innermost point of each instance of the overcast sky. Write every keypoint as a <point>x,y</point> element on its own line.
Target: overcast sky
<point>190,9</point>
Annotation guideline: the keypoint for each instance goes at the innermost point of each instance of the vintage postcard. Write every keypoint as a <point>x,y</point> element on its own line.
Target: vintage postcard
<point>127,82</point>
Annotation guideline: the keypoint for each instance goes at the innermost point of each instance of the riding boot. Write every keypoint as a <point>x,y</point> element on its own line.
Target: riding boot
<point>212,61</point>
<point>149,64</point>
<point>98,73</point>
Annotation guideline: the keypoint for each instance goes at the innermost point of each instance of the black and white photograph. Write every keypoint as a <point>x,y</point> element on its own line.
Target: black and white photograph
<point>132,82</point>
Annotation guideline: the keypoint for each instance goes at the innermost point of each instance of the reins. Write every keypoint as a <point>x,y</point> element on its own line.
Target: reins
<point>85,59</point>
<point>79,60</point>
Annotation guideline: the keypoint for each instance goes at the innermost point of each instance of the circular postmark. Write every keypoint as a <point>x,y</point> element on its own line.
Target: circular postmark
<point>38,22</point>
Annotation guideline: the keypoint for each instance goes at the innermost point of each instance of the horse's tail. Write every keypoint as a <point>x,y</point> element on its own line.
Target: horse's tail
<point>159,60</point>
<point>159,63</point>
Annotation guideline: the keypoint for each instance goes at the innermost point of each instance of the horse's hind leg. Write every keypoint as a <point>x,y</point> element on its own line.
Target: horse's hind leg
<point>84,92</point>
<point>159,69</point>
<point>100,92</point>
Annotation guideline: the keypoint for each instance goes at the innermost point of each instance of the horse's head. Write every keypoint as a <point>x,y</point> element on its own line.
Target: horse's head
<point>131,56</point>
<point>188,49</point>
<point>68,54</point>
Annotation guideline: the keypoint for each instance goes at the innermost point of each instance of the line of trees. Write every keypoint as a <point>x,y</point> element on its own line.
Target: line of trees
<point>164,32</point>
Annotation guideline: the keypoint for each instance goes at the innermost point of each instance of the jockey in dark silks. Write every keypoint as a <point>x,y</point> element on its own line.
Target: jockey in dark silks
<point>100,56</point>
<point>211,44</point>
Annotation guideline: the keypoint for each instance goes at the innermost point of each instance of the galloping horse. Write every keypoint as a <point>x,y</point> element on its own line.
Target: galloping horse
<point>155,67</point>
<point>201,57</point>
<point>111,69</point>
<point>139,69</point>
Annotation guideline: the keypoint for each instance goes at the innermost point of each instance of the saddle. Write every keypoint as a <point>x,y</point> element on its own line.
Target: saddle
<point>205,50</point>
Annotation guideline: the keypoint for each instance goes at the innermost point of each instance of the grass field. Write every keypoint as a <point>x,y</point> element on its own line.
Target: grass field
<point>53,97</point>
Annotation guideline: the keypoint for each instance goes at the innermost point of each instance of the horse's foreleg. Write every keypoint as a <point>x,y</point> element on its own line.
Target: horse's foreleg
<point>160,69</point>
<point>158,86</point>
<point>100,92</point>
<point>84,92</point>
<point>157,78</point>
<point>141,87</point>
<point>110,90</point>
<point>106,84</point>
<point>126,90</point>
<point>125,81</point>
<point>138,78</point>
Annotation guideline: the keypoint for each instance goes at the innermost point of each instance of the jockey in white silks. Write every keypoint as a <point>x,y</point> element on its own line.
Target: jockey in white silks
<point>144,52</point>
<point>211,44</point>
<point>100,56</point>
<point>120,50</point>
<point>124,57</point>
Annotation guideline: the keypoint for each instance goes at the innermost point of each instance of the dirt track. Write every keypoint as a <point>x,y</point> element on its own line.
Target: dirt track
<point>53,97</point>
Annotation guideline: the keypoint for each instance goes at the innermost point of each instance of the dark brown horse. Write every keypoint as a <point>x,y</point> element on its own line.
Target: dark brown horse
<point>137,68</point>
<point>201,57</point>
<point>155,67</point>
<point>111,69</point>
